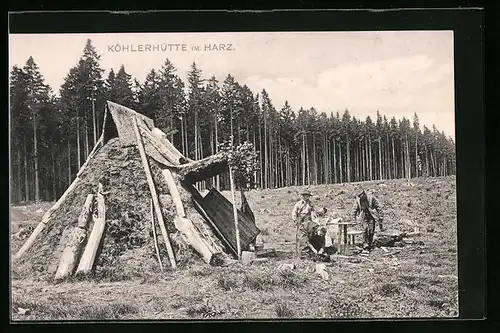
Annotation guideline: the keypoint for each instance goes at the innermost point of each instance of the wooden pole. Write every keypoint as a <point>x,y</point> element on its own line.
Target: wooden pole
<point>235,213</point>
<point>48,215</point>
<point>69,257</point>
<point>154,195</point>
<point>154,235</point>
<point>90,252</point>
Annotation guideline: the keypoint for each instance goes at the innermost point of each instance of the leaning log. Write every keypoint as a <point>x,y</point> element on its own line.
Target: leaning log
<point>185,225</point>
<point>49,214</point>
<point>174,192</point>
<point>203,169</point>
<point>193,238</point>
<point>154,195</point>
<point>69,257</point>
<point>155,240</point>
<point>90,252</point>
<point>175,155</point>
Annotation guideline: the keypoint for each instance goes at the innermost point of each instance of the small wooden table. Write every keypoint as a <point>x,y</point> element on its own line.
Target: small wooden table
<point>342,234</point>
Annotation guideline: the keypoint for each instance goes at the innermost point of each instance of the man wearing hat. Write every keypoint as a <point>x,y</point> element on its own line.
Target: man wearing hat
<point>303,212</point>
<point>367,210</point>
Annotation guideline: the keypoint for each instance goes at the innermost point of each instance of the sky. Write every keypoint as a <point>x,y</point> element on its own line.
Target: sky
<point>396,72</point>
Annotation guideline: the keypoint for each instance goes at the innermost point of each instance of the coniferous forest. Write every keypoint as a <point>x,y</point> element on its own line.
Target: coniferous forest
<point>51,136</point>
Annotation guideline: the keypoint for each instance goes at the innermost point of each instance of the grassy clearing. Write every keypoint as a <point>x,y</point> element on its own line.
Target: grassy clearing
<point>61,308</point>
<point>411,281</point>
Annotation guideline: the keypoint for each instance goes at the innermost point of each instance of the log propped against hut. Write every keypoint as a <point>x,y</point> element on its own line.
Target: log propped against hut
<point>199,228</point>
<point>179,173</point>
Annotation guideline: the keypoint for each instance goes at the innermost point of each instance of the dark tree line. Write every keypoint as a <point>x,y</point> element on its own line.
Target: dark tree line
<point>52,136</point>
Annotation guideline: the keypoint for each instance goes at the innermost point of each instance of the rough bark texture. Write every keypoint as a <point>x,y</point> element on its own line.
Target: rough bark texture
<point>69,257</point>
<point>89,254</point>
<point>203,169</point>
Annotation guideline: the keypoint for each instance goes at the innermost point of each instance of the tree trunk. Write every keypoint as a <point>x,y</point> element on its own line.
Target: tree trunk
<point>212,152</point>
<point>325,160</point>
<point>217,178</point>
<point>196,148</point>
<point>94,126</point>
<point>271,160</point>
<point>335,161</point>
<point>308,163</point>
<point>394,174</point>
<point>363,160</point>
<point>261,174</point>
<point>315,169</point>
<point>186,140</point>
<point>348,160</point>
<point>426,162</point>
<point>172,126</point>
<point>370,155</point>
<point>255,152</point>
<point>266,158</point>
<point>416,154</point>
<point>303,158</point>
<point>433,164</point>
<point>54,177</point>
<point>19,191</point>
<point>239,130</point>
<point>35,158</point>
<point>86,138</point>
<point>248,133</point>
<point>69,162</point>
<point>280,160</point>
<point>341,176</point>
<point>289,174</point>
<point>26,179</point>
<point>408,157</point>
<point>380,158</point>
<point>78,148</point>
<point>183,144</point>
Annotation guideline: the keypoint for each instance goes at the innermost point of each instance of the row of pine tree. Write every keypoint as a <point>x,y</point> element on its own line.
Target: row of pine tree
<point>51,136</point>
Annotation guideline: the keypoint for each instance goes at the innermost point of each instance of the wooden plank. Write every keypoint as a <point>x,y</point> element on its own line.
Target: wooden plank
<point>89,254</point>
<point>197,198</point>
<point>124,119</point>
<point>247,227</point>
<point>48,215</point>
<point>266,253</point>
<point>220,211</point>
<point>154,195</point>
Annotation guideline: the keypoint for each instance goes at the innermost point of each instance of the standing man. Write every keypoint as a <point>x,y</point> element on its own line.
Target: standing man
<point>303,212</point>
<point>367,211</point>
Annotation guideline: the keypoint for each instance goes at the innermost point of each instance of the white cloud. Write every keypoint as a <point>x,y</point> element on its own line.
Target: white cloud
<point>395,86</point>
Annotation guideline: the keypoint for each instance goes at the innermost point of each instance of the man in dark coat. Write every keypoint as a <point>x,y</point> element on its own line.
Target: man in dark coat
<point>367,211</point>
